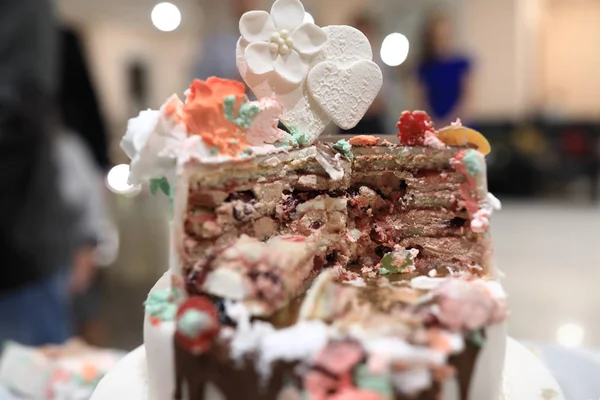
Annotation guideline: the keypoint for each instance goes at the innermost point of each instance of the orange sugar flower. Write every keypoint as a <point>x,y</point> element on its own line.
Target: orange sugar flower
<point>204,115</point>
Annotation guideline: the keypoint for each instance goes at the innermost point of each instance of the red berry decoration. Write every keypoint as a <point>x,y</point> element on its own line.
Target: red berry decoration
<point>412,126</point>
<point>197,324</point>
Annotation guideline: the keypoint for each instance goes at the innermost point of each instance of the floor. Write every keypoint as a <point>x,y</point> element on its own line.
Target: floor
<point>549,253</point>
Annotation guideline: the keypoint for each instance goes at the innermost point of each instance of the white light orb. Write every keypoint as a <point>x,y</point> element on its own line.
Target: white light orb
<point>117,178</point>
<point>570,335</point>
<point>394,49</point>
<point>166,17</point>
<point>308,18</point>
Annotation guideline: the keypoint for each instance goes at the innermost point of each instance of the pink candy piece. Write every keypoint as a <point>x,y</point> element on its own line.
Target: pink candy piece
<point>319,384</point>
<point>465,305</point>
<point>356,394</point>
<point>340,357</point>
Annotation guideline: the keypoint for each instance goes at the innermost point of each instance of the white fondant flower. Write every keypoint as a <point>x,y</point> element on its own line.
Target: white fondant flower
<point>153,141</point>
<point>281,41</point>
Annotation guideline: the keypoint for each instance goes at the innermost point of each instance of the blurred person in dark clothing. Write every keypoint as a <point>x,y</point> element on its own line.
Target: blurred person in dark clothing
<point>79,107</point>
<point>374,120</point>
<point>39,235</point>
<point>444,74</point>
<point>83,150</point>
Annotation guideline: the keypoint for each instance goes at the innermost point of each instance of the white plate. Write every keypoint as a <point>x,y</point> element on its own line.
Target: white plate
<point>525,377</point>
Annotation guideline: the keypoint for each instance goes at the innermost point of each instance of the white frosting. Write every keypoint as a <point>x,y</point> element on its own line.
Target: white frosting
<point>271,345</point>
<point>158,341</point>
<point>431,140</point>
<point>227,283</point>
<point>152,142</point>
<point>426,283</point>
<point>334,168</point>
<point>413,381</point>
<point>480,221</point>
<point>264,126</point>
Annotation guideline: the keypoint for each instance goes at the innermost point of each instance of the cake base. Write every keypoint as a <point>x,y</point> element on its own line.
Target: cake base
<point>525,377</point>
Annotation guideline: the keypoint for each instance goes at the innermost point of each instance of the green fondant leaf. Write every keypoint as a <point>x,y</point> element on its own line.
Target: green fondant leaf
<point>477,338</point>
<point>161,184</point>
<point>246,113</point>
<point>387,262</point>
<point>229,108</point>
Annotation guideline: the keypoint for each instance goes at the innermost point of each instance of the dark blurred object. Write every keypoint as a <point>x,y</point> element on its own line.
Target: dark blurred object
<point>543,159</point>
<point>79,106</point>
<point>137,74</point>
<point>38,233</point>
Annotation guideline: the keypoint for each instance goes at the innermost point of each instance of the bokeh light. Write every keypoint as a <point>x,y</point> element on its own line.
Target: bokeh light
<point>166,17</point>
<point>394,49</point>
<point>116,180</point>
<point>570,335</point>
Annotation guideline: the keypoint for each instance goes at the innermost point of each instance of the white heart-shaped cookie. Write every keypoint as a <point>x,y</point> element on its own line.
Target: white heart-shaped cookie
<point>345,94</point>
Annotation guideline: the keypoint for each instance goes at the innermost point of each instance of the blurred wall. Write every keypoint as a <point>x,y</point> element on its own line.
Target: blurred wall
<point>113,47</point>
<point>570,60</point>
<point>529,54</point>
<point>492,37</point>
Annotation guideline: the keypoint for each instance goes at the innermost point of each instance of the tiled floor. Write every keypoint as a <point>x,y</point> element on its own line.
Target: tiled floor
<point>550,254</point>
<point>551,257</point>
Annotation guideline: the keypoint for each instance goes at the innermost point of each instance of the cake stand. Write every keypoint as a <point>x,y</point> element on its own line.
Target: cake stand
<point>525,377</point>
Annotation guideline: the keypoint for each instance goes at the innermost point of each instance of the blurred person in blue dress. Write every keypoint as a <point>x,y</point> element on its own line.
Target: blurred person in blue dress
<point>444,73</point>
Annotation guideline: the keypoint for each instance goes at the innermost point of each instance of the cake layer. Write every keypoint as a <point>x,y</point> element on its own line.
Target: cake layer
<point>357,218</point>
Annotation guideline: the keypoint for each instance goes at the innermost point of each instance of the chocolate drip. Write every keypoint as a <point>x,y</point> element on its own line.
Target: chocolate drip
<point>243,381</point>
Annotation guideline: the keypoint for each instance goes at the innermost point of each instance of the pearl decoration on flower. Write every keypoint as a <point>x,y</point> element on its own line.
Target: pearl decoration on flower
<point>281,43</point>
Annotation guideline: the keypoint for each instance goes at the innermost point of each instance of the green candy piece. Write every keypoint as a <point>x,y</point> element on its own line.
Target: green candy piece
<point>298,138</point>
<point>162,304</point>
<point>473,163</point>
<point>388,266</point>
<point>191,323</point>
<point>381,384</point>
<point>344,147</point>
<point>477,338</point>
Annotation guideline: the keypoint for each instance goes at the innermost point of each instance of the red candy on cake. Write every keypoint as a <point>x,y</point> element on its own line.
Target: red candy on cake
<point>412,127</point>
<point>197,324</point>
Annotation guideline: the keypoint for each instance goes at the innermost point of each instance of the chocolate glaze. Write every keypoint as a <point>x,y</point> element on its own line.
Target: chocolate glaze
<point>236,382</point>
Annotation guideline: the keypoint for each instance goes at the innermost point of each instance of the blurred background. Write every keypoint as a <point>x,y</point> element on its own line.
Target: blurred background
<point>523,72</point>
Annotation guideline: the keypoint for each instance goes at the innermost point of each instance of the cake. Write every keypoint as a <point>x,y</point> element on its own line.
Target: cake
<point>316,269</point>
